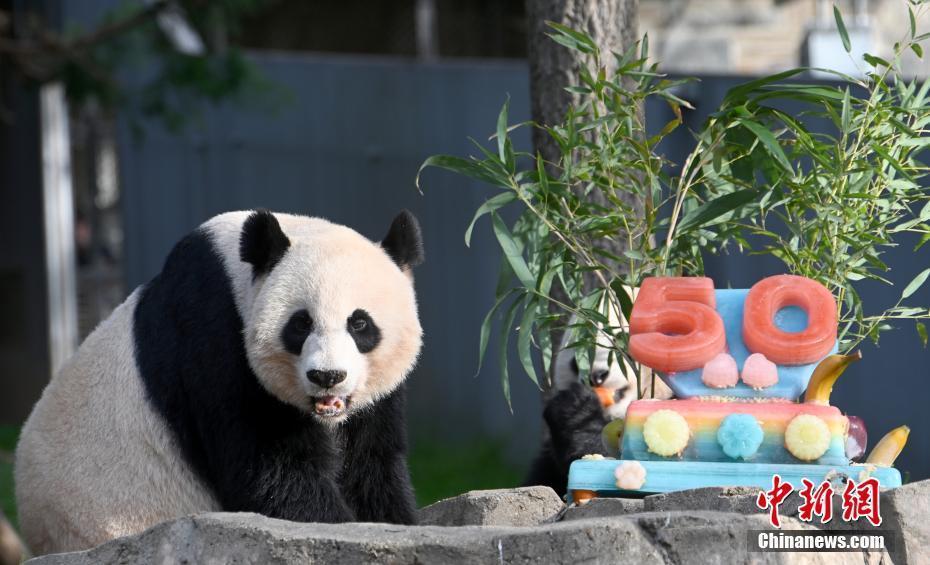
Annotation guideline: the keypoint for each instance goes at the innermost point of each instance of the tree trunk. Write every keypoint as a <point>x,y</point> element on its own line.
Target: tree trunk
<point>613,26</point>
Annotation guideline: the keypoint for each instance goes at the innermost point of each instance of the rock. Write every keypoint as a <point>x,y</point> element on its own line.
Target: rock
<point>526,506</point>
<point>741,500</point>
<point>250,538</point>
<point>906,509</point>
<point>651,537</point>
<point>604,507</point>
<point>718,537</point>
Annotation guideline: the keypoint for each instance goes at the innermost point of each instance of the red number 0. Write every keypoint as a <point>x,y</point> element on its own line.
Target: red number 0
<point>768,296</point>
<point>673,326</point>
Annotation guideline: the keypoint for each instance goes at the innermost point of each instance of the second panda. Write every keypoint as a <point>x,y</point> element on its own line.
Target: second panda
<point>262,370</point>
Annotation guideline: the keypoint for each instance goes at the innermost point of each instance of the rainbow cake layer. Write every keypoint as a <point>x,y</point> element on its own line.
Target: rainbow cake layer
<point>704,419</point>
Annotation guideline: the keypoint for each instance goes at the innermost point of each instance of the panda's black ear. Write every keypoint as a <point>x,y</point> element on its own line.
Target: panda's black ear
<point>262,243</point>
<point>404,241</point>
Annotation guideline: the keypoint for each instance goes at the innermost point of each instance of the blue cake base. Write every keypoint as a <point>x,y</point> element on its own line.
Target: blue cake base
<point>668,476</point>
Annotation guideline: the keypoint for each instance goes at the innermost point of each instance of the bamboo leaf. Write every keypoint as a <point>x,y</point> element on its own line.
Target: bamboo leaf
<point>485,332</point>
<point>768,141</point>
<point>525,339</point>
<point>915,284</point>
<point>491,205</point>
<point>506,326</point>
<point>841,27</point>
<point>512,251</point>
<point>502,131</point>
<point>713,209</point>
<point>468,167</point>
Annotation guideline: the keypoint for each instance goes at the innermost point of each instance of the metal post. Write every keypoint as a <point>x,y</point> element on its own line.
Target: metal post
<point>58,217</point>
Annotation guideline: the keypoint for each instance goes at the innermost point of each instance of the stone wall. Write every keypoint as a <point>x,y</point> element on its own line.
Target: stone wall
<point>528,525</point>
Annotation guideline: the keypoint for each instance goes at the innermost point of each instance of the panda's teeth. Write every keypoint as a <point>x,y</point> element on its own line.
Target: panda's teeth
<point>329,405</point>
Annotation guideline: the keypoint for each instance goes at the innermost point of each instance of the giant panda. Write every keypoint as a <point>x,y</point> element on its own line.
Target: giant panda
<point>261,370</point>
<point>574,416</point>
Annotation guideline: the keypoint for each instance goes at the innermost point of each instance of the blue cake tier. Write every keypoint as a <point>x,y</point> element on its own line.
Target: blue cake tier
<point>668,476</point>
<point>792,380</point>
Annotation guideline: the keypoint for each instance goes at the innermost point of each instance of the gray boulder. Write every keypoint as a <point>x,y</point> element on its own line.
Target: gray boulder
<point>526,506</point>
<point>684,538</point>
<point>702,527</point>
<point>907,510</point>
<point>719,499</point>
<point>604,508</point>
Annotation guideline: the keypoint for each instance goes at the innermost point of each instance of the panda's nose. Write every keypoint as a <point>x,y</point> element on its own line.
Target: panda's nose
<point>599,376</point>
<point>326,379</point>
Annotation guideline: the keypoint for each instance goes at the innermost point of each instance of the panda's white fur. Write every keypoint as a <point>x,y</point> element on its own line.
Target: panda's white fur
<point>621,379</point>
<point>97,459</point>
<point>75,485</point>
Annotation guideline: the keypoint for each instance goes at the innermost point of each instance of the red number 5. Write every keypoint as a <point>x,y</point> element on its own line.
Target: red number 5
<point>673,326</point>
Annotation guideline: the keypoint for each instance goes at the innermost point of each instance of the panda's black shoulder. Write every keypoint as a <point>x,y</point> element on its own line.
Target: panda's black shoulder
<point>191,358</point>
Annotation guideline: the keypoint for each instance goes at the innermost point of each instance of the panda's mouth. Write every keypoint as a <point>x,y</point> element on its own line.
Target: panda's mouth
<point>330,406</point>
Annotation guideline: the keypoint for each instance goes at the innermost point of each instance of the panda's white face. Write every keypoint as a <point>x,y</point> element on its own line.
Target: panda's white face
<point>605,372</point>
<point>333,326</point>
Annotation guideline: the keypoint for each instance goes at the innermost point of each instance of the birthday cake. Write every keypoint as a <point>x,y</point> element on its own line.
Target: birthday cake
<point>739,362</point>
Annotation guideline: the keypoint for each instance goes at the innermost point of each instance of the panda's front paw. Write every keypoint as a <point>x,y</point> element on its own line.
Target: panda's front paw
<point>571,406</point>
<point>575,420</point>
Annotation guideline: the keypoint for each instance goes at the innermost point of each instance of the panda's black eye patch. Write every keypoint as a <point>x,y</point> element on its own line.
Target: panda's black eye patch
<point>296,331</point>
<point>574,365</point>
<point>363,330</point>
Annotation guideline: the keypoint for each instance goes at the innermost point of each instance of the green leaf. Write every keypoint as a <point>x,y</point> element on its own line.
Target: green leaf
<point>841,27</point>
<point>512,251</point>
<point>917,49</point>
<point>913,21</point>
<point>468,167</point>
<point>626,303</point>
<point>571,38</point>
<point>846,113</point>
<point>502,131</point>
<point>915,284</point>
<point>922,332</point>
<point>739,92</point>
<point>875,60</point>
<point>485,332</point>
<point>717,207</point>
<point>491,205</point>
<point>525,340</point>
<point>506,326</point>
<point>769,141</point>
